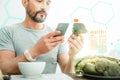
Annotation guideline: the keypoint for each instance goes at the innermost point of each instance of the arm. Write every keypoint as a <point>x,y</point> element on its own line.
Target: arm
<point>66,61</point>
<point>9,63</point>
<point>66,64</point>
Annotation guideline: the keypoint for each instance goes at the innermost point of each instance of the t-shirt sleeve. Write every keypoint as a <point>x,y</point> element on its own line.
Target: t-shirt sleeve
<point>63,48</point>
<point>6,40</point>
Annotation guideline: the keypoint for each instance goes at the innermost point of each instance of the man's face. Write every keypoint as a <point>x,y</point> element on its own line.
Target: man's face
<point>37,10</point>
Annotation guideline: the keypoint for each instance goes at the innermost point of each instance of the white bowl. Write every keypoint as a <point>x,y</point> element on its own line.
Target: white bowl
<point>31,69</point>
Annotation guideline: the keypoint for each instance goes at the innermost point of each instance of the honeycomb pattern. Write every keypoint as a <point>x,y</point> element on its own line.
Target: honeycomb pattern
<point>99,13</point>
<point>10,12</point>
<point>96,14</point>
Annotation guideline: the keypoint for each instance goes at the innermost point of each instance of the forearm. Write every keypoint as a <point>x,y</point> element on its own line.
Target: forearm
<point>11,66</point>
<point>69,68</point>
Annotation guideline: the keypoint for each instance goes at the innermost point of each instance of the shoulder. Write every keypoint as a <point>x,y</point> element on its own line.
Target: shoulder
<point>8,29</point>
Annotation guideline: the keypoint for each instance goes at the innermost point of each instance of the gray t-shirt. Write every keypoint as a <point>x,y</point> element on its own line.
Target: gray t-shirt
<point>18,38</point>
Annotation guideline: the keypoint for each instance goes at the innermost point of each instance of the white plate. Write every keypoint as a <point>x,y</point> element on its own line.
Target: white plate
<point>102,77</point>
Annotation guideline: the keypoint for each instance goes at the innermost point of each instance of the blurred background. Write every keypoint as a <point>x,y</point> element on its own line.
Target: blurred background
<point>101,18</point>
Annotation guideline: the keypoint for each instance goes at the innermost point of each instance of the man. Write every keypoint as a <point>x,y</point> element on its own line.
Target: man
<point>33,41</point>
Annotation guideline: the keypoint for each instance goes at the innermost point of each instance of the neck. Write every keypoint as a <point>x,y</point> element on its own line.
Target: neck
<point>28,23</point>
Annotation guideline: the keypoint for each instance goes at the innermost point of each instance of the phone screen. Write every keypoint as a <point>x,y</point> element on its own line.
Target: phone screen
<point>62,27</point>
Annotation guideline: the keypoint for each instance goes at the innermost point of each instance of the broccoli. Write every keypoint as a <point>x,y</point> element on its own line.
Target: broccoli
<point>79,28</point>
<point>99,65</point>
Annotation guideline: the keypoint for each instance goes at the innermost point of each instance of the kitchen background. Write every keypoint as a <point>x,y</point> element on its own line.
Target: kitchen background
<point>101,18</point>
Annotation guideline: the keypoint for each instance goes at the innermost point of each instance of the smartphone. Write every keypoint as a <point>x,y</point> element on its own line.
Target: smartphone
<point>62,27</point>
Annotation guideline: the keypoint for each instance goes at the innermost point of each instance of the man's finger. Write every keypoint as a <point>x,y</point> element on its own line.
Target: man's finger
<point>52,34</point>
<point>55,43</point>
<point>57,38</point>
<point>73,36</point>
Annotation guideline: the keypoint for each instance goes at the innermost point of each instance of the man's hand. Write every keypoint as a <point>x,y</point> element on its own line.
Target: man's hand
<point>75,45</point>
<point>47,43</point>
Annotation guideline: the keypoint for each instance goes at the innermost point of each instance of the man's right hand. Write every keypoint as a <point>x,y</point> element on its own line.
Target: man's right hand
<point>46,43</point>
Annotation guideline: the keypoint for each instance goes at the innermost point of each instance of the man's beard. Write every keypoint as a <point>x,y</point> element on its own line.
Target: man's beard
<point>34,17</point>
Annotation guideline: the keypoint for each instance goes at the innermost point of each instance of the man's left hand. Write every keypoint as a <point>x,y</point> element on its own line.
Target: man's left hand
<point>75,45</point>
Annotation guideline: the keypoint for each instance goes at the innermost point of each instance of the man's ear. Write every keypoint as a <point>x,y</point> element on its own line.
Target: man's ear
<point>25,2</point>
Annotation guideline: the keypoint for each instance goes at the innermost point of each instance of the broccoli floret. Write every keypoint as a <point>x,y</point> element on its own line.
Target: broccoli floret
<point>114,69</point>
<point>90,68</point>
<point>1,76</point>
<point>102,65</point>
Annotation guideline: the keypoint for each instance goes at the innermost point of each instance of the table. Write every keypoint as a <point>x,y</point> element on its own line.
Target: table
<point>74,77</point>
